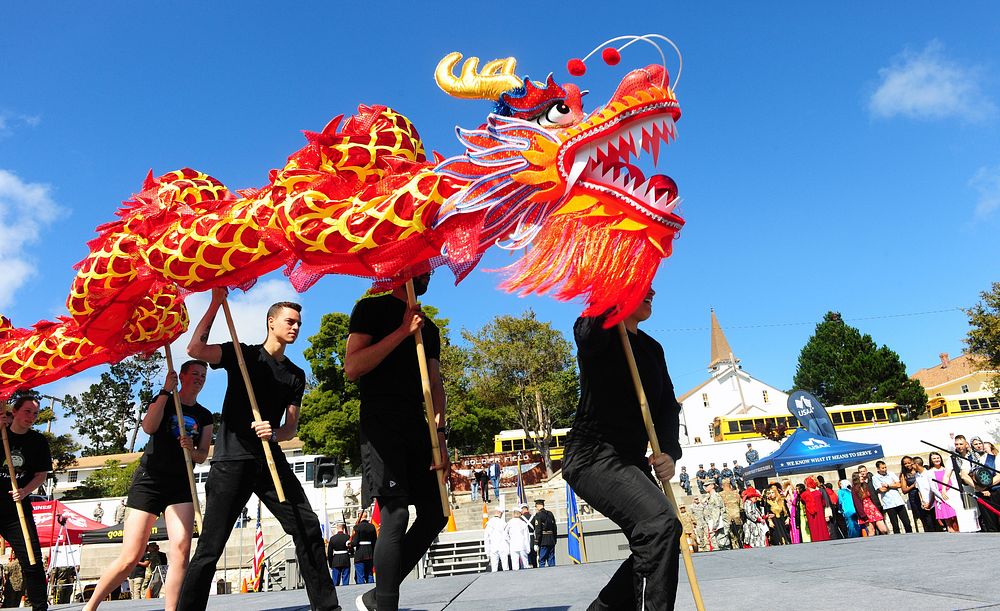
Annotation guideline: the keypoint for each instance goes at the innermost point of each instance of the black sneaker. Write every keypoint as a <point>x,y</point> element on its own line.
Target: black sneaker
<point>366,602</point>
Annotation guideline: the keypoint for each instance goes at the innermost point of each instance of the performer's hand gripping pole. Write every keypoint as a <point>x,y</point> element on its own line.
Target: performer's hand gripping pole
<point>182,432</point>
<point>20,507</point>
<point>654,443</point>
<point>253,401</point>
<point>425,381</point>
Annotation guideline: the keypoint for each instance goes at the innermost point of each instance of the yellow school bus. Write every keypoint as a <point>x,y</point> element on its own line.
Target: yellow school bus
<point>727,428</point>
<point>515,440</point>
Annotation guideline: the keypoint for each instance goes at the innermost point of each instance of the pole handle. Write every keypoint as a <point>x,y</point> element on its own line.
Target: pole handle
<point>182,432</point>
<point>654,443</point>
<point>425,382</point>
<point>268,456</point>
<point>19,504</point>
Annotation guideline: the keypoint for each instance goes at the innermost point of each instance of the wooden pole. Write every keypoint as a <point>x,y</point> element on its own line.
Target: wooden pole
<point>654,442</point>
<point>188,461</point>
<point>20,507</point>
<point>253,401</point>
<point>425,381</point>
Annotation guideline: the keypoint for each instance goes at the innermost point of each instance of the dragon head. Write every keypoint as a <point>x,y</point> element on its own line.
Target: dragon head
<point>544,172</point>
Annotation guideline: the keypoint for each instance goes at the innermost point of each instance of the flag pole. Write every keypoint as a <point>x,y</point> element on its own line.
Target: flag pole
<point>654,443</point>
<point>411,300</point>
<point>182,432</point>
<point>268,457</point>
<point>19,504</point>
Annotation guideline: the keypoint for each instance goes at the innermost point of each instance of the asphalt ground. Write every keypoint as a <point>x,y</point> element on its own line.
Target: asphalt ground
<point>916,572</point>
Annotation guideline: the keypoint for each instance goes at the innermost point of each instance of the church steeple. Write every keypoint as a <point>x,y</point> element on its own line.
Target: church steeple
<point>720,346</point>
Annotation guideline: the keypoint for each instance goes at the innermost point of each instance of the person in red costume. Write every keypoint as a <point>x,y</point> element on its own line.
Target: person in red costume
<point>813,499</point>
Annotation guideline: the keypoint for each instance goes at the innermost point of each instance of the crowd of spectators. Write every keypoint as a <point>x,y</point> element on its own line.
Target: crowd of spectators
<point>944,492</point>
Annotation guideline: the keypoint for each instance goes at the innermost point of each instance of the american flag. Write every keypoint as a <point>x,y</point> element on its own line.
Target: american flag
<point>258,554</point>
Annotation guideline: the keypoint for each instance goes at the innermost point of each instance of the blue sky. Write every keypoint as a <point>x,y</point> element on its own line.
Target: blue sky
<point>830,157</point>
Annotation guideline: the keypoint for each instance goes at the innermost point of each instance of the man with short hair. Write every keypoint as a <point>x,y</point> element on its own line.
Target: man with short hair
<point>544,524</point>
<point>120,512</point>
<point>893,503</point>
<point>363,541</point>
<point>238,464</point>
<point>518,542</point>
<point>338,556</point>
<point>99,514</point>
<point>532,552</point>
<point>752,456</point>
<point>494,471</point>
<point>925,485</point>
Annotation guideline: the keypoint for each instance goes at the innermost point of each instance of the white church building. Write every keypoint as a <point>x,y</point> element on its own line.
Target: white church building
<point>729,391</point>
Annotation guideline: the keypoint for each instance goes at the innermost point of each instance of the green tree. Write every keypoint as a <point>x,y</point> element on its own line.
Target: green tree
<point>983,338</point>
<point>329,419</point>
<point>113,479</point>
<point>108,415</point>
<point>839,365</point>
<point>523,366</point>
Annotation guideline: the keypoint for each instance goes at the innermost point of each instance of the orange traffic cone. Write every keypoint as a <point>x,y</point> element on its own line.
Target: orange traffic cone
<point>149,593</point>
<point>243,588</point>
<point>452,527</point>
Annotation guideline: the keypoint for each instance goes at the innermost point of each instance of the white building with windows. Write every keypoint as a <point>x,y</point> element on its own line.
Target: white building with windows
<point>729,391</point>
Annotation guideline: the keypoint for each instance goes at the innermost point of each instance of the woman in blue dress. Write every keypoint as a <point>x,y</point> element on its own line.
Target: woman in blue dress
<point>847,506</point>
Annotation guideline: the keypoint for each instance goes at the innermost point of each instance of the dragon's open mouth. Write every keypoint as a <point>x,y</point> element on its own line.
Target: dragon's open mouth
<point>606,146</point>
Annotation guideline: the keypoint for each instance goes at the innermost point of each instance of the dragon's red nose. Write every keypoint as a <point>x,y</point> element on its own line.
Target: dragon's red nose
<point>640,79</point>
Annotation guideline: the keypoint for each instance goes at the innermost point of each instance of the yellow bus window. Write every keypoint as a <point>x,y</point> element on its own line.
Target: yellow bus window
<point>848,417</point>
<point>506,446</point>
<point>838,418</point>
<point>880,415</point>
<point>734,427</point>
<point>746,426</point>
<point>869,415</point>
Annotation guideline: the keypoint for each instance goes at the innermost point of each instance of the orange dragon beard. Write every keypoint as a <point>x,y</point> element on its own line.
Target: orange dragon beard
<point>575,254</point>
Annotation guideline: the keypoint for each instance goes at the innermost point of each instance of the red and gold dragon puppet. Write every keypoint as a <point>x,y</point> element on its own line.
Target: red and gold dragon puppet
<point>362,198</point>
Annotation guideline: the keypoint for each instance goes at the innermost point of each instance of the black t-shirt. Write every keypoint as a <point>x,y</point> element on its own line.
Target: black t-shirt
<point>398,375</point>
<point>163,452</point>
<point>609,408</point>
<point>276,385</point>
<point>30,455</point>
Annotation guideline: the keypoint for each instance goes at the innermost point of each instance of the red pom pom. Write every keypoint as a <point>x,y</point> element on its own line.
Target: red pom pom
<point>576,67</point>
<point>611,56</point>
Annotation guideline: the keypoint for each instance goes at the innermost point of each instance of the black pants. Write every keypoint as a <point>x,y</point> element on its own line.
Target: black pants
<point>896,514</point>
<point>925,517</point>
<point>397,549</point>
<point>779,531</point>
<point>989,522</point>
<point>228,490</point>
<point>34,574</point>
<point>628,495</point>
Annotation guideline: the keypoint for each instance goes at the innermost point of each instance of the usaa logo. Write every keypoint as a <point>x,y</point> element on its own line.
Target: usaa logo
<point>815,444</point>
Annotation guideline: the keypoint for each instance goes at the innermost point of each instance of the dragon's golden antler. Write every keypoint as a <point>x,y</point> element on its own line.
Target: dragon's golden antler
<point>495,78</point>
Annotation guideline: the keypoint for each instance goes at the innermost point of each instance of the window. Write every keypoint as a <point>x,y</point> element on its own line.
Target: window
<point>73,476</point>
<point>704,399</point>
<point>310,471</point>
<point>518,444</point>
<point>880,415</point>
<point>766,400</point>
<point>506,446</point>
<point>299,467</point>
<point>869,415</point>
<point>965,388</point>
<point>838,418</point>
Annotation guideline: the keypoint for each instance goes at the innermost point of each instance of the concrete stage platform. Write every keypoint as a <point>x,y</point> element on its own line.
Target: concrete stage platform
<point>912,572</point>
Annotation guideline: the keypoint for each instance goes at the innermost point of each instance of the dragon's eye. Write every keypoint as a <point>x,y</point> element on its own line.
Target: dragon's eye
<point>557,115</point>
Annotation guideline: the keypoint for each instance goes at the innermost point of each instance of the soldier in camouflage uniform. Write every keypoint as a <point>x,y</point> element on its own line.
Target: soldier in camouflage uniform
<point>700,526</point>
<point>716,518</point>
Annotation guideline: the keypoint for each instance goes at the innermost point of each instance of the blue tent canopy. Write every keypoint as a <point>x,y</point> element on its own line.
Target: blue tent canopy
<point>805,452</point>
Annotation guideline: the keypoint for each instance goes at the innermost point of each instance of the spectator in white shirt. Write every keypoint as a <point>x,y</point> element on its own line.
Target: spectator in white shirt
<point>893,503</point>
<point>518,542</point>
<point>495,540</point>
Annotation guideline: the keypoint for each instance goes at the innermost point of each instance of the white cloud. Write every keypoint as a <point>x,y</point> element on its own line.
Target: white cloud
<point>986,183</point>
<point>928,85</point>
<point>26,209</point>
<point>10,120</point>
<point>249,314</point>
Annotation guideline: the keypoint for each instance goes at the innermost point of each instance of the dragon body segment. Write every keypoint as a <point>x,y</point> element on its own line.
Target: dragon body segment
<point>362,199</point>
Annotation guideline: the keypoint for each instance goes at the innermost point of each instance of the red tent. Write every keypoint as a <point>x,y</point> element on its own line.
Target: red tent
<point>46,512</point>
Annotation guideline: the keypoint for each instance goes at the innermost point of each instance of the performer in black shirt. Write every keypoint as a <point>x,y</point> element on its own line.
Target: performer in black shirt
<point>238,465</point>
<point>395,447</point>
<point>606,464</point>
<point>160,483</point>
<point>29,452</point>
